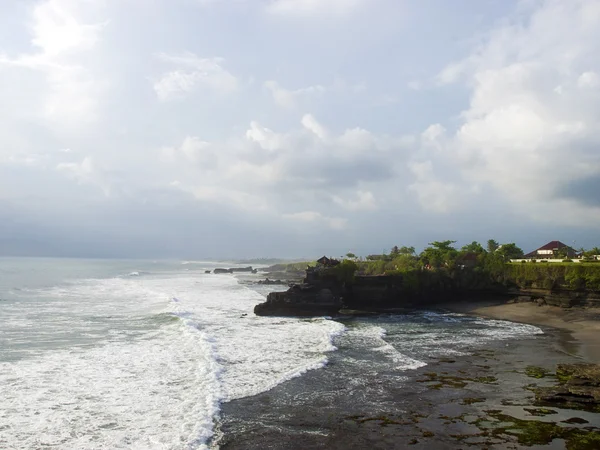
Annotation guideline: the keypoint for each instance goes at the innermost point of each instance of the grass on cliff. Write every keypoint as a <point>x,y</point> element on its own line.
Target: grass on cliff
<point>551,275</point>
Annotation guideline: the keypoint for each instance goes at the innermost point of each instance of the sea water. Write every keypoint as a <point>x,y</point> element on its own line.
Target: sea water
<point>141,354</point>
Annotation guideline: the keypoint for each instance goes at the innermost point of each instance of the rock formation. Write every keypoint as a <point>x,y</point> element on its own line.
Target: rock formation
<point>579,388</point>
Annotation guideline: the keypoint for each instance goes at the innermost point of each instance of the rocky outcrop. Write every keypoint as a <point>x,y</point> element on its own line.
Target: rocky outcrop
<point>579,388</point>
<point>268,282</point>
<point>414,289</point>
<point>248,269</point>
<point>557,297</point>
<point>243,269</point>
<point>301,300</point>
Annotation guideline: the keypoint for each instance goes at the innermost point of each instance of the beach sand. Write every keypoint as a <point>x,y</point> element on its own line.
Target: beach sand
<point>582,323</point>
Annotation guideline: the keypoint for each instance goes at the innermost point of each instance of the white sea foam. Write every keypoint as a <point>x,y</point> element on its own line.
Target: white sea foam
<point>144,362</point>
<point>373,337</point>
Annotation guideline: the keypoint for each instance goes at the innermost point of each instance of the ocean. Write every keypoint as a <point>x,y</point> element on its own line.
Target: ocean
<point>102,354</point>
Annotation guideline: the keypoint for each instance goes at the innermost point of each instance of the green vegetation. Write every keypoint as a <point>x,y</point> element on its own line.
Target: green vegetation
<point>540,412</point>
<point>536,372</point>
<point>441,265</point>
<point>549,276</point>
<point>533,432</point>
<point>437,381</point>
<point>471,400</point>
<point>345,271</point>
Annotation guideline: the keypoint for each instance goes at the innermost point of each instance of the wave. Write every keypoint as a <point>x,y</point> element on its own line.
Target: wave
<point>145,361</point>
<point>373,337</point>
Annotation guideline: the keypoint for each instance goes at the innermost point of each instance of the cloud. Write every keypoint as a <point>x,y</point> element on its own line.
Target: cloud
<point>295,98</point>
<point>289,98</point>
<point>57,30</point>
<point>433,194</point>
<point>311,124</point>
<point>532,125</point>
<point>86,172</point>
<point>335,223</point>
<point>365,201</point>
<point>268,170</point>
<point>192,73</point>
<point>61,36</point>
<point>313,7</point>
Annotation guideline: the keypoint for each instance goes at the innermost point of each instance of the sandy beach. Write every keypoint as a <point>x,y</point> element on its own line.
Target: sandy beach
<point>582,323</point>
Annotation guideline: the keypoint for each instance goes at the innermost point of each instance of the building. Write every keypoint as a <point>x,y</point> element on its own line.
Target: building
<point>552,250</point>
<point>327,262</point>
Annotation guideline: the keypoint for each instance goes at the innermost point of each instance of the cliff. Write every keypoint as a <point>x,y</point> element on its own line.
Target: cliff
<point>325,291</point>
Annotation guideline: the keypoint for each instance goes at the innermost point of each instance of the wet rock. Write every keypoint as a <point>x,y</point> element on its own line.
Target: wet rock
<point>580,387</point>
<point>271,282</point>
<point>300,300</point>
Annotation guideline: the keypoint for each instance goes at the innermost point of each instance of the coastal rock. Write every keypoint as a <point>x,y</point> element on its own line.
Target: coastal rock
<point>580,387</point>
<point>242,269</point>
<point>218,270</point>
<point>300,300</point>
<point>271,282</point>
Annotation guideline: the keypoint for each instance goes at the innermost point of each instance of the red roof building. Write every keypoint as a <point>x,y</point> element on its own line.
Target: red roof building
<point>551,250</point>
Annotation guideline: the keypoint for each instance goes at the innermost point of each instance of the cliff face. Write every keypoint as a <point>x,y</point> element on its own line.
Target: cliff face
<point>324,294</point>
<point>302,300</point>
<point>557,297</point>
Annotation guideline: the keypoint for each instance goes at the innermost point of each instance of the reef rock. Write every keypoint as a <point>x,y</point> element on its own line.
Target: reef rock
<point>580,386</point>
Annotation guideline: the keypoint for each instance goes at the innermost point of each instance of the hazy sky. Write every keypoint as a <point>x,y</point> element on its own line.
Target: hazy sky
<point>220,128</point>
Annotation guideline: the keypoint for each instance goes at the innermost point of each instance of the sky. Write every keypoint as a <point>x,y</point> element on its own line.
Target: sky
<point>292,128</point>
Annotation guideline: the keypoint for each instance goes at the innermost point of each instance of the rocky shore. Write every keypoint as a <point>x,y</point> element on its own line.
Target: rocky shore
<point>496,397</point>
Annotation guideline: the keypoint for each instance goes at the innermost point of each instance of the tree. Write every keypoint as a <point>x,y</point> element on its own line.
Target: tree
<point>440,253</point>
<point>492,246</point>
<point>402,251</point>
<point>345,271</point>
<point>592,252</point>
<point>509,251</point>
<point>407,250</point>
<point>473,247</point>
<point>350,255</point>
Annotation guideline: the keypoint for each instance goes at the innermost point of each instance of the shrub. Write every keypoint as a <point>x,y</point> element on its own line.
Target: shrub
<point>345,270</point>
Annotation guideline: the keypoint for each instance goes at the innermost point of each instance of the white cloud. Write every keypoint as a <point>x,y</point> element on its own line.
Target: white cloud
<point>522,135</point>
<point>266,138</point>
<point>61,35</point>
<point>433,194</point>
<point>289,98</point>
<point>335,223</point>
<point>313,7</point>
<point>311,124</point>
<point>588,80</point>
<point>86,172</point>
<point>57,30</point>
<point>365,201</point>
<point>272,171</point>
<point>193,73</point>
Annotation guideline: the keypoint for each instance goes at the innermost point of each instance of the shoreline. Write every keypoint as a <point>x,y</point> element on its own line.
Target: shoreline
<point>453,402</point>
<point>583,324</point>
